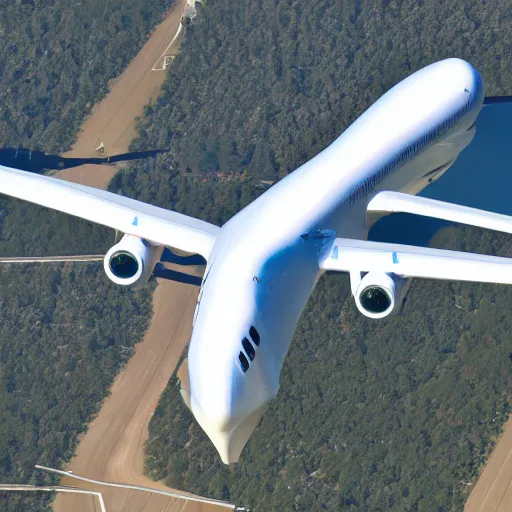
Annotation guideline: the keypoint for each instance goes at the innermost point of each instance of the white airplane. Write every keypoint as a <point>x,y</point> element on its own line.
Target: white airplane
<point>263,264</point>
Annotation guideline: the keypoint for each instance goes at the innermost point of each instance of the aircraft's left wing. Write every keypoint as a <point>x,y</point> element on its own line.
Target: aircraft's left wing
<point>126,215</point>
<point>348,255</point>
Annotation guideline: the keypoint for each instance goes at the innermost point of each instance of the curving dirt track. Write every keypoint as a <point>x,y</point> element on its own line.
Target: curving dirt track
<point>113,447</point>
<point>493,490</point>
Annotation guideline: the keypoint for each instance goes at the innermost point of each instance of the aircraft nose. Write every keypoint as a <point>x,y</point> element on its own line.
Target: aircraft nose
<point>230,429</point>
<point>470,77</point>
<point>461,75</point>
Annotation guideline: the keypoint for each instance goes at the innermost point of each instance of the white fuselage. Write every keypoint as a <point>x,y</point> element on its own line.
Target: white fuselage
<point>264,264</point>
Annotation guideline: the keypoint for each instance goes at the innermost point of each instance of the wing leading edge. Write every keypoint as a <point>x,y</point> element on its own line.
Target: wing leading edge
<point>347,255</point>
<point>127,215</point>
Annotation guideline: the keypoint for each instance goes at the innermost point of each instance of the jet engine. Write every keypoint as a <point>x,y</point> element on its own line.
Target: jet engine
<point>131,261</point>
<point>379,294</point>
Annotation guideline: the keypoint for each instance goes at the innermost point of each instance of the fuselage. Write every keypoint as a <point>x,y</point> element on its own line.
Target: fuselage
<point>264,264</point>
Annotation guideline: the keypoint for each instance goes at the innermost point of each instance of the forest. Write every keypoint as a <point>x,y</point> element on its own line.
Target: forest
<point>56,61</point>
<point>65,330</point>
<point>395,415</point>
<point>392,415</point>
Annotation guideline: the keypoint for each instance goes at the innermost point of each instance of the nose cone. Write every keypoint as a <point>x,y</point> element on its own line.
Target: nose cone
<point>439,89</point>
<point>452,82</point>
<point>462,76</point>
<point>229,409</point>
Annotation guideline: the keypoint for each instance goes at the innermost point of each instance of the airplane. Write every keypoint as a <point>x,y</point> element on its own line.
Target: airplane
<point>262,265</point>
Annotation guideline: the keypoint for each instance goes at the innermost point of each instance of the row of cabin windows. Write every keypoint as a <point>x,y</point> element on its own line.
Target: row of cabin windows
<point>364,188</point>
<point>249,349</point>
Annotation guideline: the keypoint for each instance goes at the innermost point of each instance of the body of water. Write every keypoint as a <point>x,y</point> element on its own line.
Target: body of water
<point>481,178</point>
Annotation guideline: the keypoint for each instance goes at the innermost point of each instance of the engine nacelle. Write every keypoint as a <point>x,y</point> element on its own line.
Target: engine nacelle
<point>131,261</point>
<point>379,294</point>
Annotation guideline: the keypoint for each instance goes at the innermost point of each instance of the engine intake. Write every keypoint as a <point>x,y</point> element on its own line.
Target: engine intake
<point>379,295</point>
<point>131,261</point>
<point>124,265</point>
<point>375,299</point>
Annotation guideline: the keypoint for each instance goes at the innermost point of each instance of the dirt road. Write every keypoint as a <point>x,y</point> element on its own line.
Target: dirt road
<point>493,490</point>
<point>113,447</point>
<point>113,121</point>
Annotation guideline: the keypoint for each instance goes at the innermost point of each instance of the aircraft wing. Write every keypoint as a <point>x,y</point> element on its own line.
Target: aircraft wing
<point>394,202</point>
<point>411,261</point>
<point>127,215</point>
<point>346,255</point>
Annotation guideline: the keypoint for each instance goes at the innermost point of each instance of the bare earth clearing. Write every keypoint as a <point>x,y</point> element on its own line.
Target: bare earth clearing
<point>113,447</point>
<point>493,490</point>
<point>113,121</point>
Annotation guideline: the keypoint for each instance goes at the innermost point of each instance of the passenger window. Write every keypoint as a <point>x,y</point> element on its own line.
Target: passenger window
<point>249,349</point>
<point>255,336</point>
<point>244,364</point>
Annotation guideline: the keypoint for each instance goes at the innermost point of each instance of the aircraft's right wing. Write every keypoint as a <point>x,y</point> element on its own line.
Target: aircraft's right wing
<point>126,215</point>
<point>346,255</point>
<point>410,261</point>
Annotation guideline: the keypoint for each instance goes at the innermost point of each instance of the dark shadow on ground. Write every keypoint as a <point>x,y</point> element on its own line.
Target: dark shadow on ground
<point>174,275</point>
<point>38,161</point>
<point>171,257</point>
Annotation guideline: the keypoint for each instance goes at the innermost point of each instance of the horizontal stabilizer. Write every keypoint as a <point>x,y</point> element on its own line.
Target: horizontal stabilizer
<point>126,215</point>
<point>348,255</point>
<point>394,202</point>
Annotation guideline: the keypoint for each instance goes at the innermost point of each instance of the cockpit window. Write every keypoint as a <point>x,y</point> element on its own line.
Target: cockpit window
<point>244,364</point>
<point>249,349</point>
<point>254,335</point>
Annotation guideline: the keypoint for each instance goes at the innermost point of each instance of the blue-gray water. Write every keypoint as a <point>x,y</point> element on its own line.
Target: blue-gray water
<point>481,177</point>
